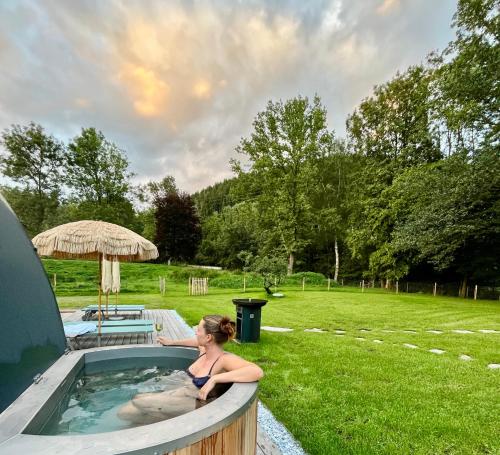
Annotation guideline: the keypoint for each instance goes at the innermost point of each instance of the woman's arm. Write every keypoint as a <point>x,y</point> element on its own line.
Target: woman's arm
<point>237,370</point>
<point>191,342</point>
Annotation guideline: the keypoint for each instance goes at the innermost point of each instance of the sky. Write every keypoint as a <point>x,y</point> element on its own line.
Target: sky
<point>177,84</point>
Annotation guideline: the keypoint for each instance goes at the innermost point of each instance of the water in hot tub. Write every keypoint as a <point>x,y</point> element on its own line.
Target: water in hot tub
<point>117,400</point>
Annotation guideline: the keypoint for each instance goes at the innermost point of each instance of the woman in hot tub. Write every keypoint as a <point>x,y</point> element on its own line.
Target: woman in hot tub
<point>211,370</point>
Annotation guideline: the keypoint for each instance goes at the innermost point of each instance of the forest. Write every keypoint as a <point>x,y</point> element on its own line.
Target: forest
<point>411,191</point>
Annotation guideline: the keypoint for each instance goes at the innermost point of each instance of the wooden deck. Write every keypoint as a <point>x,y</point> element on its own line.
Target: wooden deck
<point>172,328</point>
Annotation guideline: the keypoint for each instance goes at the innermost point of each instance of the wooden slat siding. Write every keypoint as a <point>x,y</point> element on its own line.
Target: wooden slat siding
<point>239,438</point>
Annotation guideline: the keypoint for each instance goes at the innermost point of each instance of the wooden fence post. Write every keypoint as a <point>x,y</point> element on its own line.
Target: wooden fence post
<point>328,283</point>
<point>189,286</point>
<point>475,292</point>
<point>363,286</point>
<point>397,287</point>
<point>435,289</point>
<point>407,287</point>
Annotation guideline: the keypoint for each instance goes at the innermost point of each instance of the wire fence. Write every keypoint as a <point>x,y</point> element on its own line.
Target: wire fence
<point>449,289</point>
<point>69,285</point>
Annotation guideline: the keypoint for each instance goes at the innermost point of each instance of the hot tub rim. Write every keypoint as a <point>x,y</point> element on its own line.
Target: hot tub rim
<point>181,431</point>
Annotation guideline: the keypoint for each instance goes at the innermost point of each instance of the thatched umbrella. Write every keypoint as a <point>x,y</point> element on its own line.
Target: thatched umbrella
<point>91,240</point>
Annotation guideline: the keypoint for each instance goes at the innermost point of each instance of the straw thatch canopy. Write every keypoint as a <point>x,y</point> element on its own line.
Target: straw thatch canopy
<point>88,239</point>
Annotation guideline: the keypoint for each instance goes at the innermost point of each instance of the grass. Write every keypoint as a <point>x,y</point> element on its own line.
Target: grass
<point>337,394</point>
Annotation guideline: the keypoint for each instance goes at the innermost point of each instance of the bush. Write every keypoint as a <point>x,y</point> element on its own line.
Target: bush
<point>311,278</point>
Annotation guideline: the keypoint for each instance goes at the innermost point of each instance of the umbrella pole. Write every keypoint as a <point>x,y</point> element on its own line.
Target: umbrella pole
<point>99,304</point>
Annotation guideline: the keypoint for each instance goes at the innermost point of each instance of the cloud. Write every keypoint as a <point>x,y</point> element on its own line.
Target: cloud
<point>177,84</point>
<point>387,6</point>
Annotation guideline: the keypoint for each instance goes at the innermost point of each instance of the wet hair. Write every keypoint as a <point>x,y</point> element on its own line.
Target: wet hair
<point>220,327</point>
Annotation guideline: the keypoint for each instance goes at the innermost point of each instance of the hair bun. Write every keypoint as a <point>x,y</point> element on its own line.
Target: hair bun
<point>227,326</point>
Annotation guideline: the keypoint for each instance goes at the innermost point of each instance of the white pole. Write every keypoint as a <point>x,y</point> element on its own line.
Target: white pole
<point>363,286</point>
<point>435,289</point>
<point>244,283</point>
<point>303,283</point>
<point>397,287</point>
<point>475,292</point>
<point>328,283</point>
<point>55,281</point>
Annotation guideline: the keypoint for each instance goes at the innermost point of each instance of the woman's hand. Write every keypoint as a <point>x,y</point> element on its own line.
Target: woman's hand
<point>165,341</point>
<point>207,388</point>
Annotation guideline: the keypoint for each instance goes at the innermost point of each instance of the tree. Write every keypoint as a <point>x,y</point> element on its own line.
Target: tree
<point>331,201</point>
<point>229,232</point>
<point>98,177</point>
<point>216,197</point>
<point>145,195</point>
<point>178,231</point>
<point>391,131</point>
<point>97,168</point>
<point>467,86</point>
<point>34,160</point>
<point>449,215</point>
<point>272,268</point>
<point>283,150</point>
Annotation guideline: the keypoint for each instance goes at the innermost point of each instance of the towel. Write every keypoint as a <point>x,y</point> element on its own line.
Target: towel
<point>107,277</point>
<point>79,329</point>
<point>115,287</point>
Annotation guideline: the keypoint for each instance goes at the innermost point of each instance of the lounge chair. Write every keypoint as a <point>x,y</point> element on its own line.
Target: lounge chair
<point>73,330</point>
<point>90,310</point>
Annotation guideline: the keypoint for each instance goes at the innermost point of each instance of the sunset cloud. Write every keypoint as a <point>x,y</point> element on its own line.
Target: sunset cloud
<point>177,84</point>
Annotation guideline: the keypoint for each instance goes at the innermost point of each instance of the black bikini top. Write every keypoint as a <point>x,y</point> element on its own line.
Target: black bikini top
<point>201,380</point>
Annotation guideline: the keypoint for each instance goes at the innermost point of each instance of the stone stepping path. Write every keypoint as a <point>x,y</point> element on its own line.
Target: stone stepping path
<point>341,333</point>
<point>276,329</point>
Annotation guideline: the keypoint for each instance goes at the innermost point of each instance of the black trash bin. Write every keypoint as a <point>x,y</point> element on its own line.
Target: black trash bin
<point>248,319</point>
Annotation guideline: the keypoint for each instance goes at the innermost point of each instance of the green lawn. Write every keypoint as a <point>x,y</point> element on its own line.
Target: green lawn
<point>337,394</point>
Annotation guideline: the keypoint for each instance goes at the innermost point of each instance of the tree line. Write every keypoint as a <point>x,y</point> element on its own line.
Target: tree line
<point>411,191</point>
